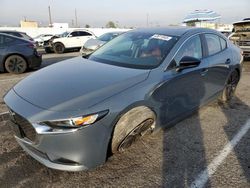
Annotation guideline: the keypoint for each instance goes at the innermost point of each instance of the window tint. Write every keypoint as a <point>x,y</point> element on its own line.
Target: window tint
<point>191,48</point>
<point>8,40</point>
<point>83,33</point>
<point>223,43</point>
<point>5,40</point>
<point>74,34</point>
<point>16,34</point>
<point>1,40</point>
<point>213,43</point>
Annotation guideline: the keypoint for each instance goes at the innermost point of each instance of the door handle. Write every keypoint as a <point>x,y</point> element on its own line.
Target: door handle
<point>204,71</point>
<point>228,61</point>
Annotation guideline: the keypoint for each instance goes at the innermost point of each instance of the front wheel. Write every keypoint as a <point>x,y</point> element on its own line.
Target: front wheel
<point>59,48</point>
<point>132,125</point>
<point>230,87</point>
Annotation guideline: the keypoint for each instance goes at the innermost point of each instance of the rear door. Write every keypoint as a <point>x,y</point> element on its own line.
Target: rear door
<point>219,58</point>
<point>84,36</point>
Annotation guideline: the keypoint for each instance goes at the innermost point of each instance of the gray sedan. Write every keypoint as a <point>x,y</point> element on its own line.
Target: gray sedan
<point>68,116</point>
<point>92,44</point>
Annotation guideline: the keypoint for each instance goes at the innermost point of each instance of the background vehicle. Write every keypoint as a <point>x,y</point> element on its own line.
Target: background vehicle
<point>241,36</point>
<point>18,34</point>
<point>71,40</point>
<point>92,44</point>
<point>17,55</point>
<point>145,79</point>
<point>47,44</point>
<point>41,38</point>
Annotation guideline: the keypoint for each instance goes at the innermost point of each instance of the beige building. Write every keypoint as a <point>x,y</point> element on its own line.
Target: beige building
<point>25,24</point>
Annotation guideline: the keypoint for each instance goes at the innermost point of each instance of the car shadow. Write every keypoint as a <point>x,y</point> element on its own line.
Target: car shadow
<point>183,153</point>
<point>235,120</point>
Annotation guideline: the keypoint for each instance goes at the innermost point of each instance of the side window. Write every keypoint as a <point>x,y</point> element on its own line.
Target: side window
<point>83,33</point>
<point>223,43</point>
<point>213,43</point>
<point>8,40</point>
<point>16,34</point>
<point>1,40</point>
<point>74,34</point>
<point>191,48</point>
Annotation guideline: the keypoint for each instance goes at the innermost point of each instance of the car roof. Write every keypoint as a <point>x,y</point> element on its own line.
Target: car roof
<point>11,31</point>
<point>18,38</point>
<point>173,31</point>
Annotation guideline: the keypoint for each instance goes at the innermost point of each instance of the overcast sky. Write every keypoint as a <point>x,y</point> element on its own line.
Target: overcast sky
<point>123,12</point>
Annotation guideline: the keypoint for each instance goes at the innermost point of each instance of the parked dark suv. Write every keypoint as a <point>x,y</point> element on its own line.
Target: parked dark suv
<point>17,55</point>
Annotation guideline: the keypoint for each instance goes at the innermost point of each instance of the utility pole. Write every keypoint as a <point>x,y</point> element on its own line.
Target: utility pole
<point>50,20</point>
<point>76,18</point>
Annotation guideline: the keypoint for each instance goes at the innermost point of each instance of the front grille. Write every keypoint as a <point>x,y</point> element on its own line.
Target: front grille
<point>26,129</point>
<point>244,43</point>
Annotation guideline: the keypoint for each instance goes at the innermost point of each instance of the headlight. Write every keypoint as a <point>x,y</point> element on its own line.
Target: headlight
<point>76,121</point>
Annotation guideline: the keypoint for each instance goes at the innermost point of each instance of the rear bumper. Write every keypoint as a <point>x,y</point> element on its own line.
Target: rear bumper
<point>35,60</point>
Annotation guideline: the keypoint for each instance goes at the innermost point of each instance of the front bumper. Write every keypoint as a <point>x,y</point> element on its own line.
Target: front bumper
<point>72,151</point>
<point>44,159</point>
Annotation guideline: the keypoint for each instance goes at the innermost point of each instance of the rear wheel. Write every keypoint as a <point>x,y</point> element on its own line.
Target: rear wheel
<point>59,48</point>
<point>230,87</point>
<point>132,125</point>
<point>15,64</point>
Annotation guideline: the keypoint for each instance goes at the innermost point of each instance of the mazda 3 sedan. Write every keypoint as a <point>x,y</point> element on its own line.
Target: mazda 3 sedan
<point>68,116</point>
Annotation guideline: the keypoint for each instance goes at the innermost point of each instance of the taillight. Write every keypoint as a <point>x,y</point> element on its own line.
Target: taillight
<point>31,45</point>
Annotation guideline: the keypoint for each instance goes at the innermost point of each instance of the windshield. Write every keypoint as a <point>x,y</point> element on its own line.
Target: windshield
<point>65,34</point>
<point>108,36</point>
<point>135,50</point>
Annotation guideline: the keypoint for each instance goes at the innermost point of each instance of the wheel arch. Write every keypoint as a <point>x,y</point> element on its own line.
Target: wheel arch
<point>4,59</point>
<point>121,114</point>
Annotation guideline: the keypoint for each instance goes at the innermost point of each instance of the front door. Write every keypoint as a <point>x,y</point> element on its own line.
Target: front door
<point>182,92</point>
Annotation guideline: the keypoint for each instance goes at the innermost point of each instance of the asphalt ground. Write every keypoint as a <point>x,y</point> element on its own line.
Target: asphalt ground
<point>211,148</point>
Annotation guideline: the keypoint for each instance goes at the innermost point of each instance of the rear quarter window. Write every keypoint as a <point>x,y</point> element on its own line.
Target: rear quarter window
<point>83,33</point>
<point>213,43</point>
<point>223,43</point>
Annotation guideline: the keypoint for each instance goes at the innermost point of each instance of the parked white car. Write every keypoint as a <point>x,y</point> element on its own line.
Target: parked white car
<point>41,38</point>
<point>71,40</point>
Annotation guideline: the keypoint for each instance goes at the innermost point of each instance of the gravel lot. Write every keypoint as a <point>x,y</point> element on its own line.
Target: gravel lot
<point>173,157</point>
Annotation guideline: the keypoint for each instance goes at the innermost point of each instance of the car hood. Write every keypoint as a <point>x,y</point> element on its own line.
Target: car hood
<point>76,84</point>
<point>93,43</point>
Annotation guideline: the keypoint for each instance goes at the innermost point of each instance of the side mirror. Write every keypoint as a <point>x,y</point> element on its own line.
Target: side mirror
<point>187,62</point>
<point>69,35</point>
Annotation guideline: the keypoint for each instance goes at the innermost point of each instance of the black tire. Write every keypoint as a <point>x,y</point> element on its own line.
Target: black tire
<point>15,64</point>
<point>58,48</point>
<point>230,88</point>
<point>132,125</point>
<point>48,50</point>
